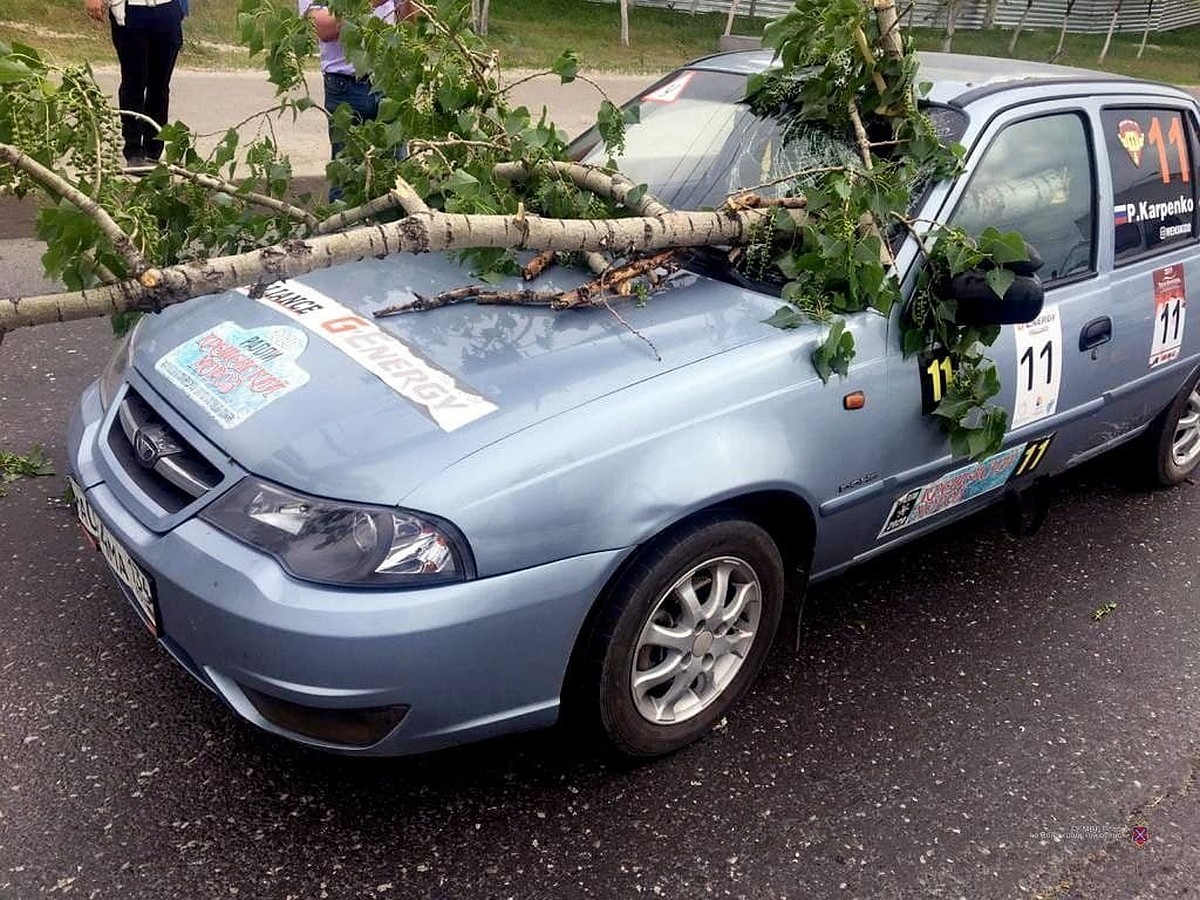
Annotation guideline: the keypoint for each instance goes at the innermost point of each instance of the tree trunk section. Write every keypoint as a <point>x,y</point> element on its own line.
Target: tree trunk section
<point>989,14</point>
<point>889,28</point>
<point>729,21</point>
<point>1062,34</point>
<point>1112,26</point>
<point>1146,32</point>
<point>1012,43</point>
<point>952,7</point>
<point>624,23</point>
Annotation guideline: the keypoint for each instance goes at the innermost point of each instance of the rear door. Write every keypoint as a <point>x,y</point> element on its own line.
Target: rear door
<point>1150,163</point>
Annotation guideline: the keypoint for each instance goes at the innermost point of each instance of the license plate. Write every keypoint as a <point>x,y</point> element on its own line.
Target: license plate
<point>138,585</point>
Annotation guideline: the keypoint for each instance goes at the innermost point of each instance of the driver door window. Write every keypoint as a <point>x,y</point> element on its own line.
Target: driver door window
<point>1036,178</point>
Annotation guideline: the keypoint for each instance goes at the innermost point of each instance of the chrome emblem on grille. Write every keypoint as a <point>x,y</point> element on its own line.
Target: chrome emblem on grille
<point>153,443</point>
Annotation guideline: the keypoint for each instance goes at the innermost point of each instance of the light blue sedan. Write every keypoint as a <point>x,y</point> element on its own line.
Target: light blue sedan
<point>390,536</point>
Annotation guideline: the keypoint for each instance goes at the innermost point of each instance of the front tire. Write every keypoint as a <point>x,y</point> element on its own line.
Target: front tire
<point>1174,439</point>
<point>683,634</point>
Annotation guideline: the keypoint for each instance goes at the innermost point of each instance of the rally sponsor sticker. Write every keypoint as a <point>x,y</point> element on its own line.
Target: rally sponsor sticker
<point>1132,138</point>
<point>1170,313</point>
<point>233,372</point>
<point>952,489</point>
<point>1039,368</point>
<point>385,356</point>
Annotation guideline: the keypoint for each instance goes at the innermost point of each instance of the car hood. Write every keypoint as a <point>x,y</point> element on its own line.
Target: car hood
<point>305,387</point>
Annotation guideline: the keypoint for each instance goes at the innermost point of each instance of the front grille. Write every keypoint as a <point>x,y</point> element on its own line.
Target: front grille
<point>164,465</point>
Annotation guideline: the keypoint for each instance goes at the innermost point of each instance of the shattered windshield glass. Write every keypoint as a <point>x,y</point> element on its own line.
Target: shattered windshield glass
<point>696,143</point>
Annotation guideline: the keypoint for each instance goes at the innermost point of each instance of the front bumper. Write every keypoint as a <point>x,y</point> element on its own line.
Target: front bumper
<point>468,660</point>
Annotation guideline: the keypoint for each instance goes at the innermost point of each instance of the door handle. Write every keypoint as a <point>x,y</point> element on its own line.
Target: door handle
<point>1096,332</point>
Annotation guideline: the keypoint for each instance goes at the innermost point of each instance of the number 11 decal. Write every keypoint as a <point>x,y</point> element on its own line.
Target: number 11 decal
<point>1170,315</point>
<point>1039,368</point>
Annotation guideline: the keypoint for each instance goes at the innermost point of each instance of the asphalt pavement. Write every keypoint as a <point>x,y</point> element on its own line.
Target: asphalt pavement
<point>956,722</point>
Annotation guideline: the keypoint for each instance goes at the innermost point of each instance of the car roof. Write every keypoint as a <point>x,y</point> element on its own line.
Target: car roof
<point>957,78</point>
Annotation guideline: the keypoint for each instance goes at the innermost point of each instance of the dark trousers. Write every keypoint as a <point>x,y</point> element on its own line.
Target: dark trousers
<point>147,46</point>
<point>355,93</point>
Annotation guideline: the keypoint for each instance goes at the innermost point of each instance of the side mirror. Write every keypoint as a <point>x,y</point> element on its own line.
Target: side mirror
<point>977,303</point>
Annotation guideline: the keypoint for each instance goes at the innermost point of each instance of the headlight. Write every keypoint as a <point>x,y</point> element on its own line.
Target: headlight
<point>114,372</point>
<point>341,543</point>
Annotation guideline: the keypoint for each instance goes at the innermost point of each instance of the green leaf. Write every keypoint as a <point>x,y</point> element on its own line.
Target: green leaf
<point>1000,280</point>
<point>1003,248</point>
<point>566,67</point>
<point>835,353</point>
<point>462,184</point>
<point>786,317</point>
<point>13,71</point>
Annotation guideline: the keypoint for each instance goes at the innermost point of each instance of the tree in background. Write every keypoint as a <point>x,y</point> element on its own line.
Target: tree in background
<point>479,16</point>
<point>952,8</point>
<point>1062,33</point>
<point>1012,43</point>
<point>1112,26</point>
<point>1146,30</point>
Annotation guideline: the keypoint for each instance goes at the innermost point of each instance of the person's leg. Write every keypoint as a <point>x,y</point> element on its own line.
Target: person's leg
<point>130,44</point>
<point>163,50</point>
<point>355,94</point>
<point>363,103</point>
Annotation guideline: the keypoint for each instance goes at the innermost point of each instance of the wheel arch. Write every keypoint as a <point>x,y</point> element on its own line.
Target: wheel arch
<point>786,517</point>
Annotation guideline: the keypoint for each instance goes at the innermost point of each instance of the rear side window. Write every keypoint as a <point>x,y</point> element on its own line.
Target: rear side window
<point>1154,179</point>
<point>1036,177</point>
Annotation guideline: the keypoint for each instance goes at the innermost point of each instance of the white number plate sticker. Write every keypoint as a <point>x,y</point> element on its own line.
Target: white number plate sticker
<point>1039,368</point>
<point>128,573</point>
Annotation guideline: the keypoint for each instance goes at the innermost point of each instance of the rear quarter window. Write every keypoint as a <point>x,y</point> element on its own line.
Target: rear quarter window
<point>1152,159</point>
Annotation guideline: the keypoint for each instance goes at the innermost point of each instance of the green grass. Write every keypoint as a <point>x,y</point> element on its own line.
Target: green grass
<point>531,33</point>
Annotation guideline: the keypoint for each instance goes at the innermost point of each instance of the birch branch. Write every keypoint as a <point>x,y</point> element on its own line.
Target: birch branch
<point>225,187</point>
<point>60,187</point>
<point>423,232</point>
<point>612,185</point>
<point>402,196</point>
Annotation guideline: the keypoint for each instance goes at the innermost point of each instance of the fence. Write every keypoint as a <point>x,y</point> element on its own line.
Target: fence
<point>1086,15</point>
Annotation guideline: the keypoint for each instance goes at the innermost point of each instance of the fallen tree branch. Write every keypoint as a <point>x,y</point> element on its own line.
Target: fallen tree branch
<point>226,187</point>
<point>423,232</point>
<point>60,187</point>
<point>588,294</point>
<point>538,265</point>
<point>860,135</point>
<point>616,315</point>
<point>613,279</point>
<point>402,195</point>
<point>602,182</point>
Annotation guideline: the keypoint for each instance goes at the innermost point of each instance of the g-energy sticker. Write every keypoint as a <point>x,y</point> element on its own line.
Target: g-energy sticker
<point>380,353</point>
<point>232,372</point>
<point>1170,313</point>
<point>951,490</point>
